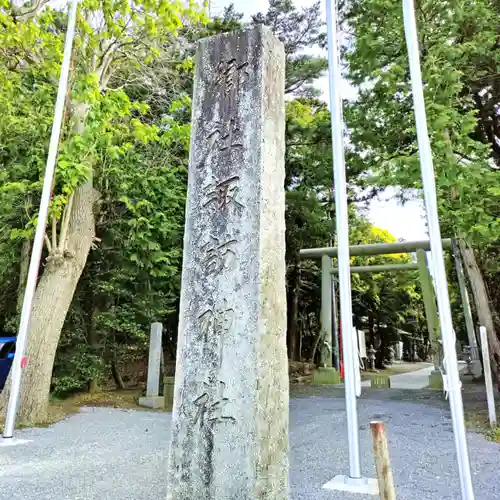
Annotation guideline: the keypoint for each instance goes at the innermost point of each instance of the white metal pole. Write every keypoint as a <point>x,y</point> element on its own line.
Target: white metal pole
<point>429,187</point>
<point>342,224</point>
<point>487,376</point>
<point>31,281</point>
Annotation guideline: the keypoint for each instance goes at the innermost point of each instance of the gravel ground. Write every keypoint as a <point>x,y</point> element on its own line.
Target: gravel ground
<point>111,454</point>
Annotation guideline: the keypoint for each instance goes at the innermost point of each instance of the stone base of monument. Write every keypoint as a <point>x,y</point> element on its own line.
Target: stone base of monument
<point>154,402</point>
<point>326,376</point>
<point>362,485</point>
<point>436,380</point>
<point>476,368</point>
<point>380,382</point>
<point>168,391</point>
<point>4,442</point>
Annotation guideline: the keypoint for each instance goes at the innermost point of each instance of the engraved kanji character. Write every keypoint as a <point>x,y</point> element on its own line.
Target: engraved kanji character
<point>217,255</point>
<point>224,136</point>
<point>231,74</point>
<point>213,326</point>
<point>218,322</point>
<point>222,194</point>
<point>217,410</point>
<point>213,407</point>
<point>206,324</point>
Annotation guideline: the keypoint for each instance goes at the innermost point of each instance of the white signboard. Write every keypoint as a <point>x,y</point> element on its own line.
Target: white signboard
<point>362,344</point>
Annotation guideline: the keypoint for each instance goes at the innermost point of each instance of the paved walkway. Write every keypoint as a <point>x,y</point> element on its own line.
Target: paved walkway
<point>418,379</point>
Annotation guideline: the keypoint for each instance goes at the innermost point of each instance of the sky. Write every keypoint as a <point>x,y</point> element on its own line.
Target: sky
<point>404,222</point>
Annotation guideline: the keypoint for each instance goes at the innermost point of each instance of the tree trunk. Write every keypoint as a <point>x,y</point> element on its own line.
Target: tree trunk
<point>482,302</point>
<point>301,337</point>
<point>371,328</point>
<point>116,376</point>
<point>93,341</point>
<point>115,372</point>
<point>23,272</point>
<point>293,313</point>
<point>93,386</point>
<point>52,300</point>
<point>315,346</point>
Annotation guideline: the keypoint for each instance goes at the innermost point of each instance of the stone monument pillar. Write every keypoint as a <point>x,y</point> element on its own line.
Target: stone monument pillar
<point>326,313</point>
<point>326,373</point>
<point>152,399</point>
<point>230,415</point>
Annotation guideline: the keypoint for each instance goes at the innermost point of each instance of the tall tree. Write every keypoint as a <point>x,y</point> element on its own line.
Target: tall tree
<point>300,30</point>
<point>459,49</point>
<point>113,39</point>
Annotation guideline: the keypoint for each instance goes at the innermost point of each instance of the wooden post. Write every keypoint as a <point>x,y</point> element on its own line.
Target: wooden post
<point>382,461</point>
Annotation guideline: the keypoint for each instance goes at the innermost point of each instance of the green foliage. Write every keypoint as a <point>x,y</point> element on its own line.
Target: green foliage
<point>73,372</point>
<point>460,56</point>
<point>298,29</point>
<point>308,164</point>
<point>384,301</point>
<point>127,72</point>
<point>127,131</point>
<point>459,51</point>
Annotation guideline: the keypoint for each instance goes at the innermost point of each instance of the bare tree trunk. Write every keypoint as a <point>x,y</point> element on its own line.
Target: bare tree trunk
<point>482,302</point>
<point>54,294</point>
<point>371,328</point>
<point>115,372</point>
<point>93,341</point>
<point>293,313</point>
<point>23,272</point>
<point>116,375</point>
<point>52,300</point>
<point>315,346</point>
<point>301,333</point>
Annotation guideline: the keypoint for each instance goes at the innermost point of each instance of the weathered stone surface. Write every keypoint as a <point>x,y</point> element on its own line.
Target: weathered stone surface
<point>168,391</point>
<point>153,383</point>
<point>326,376</point>
<point>326,312</point>
<point>152,402</point>
<point>230,414</point>
<point>436,380</point>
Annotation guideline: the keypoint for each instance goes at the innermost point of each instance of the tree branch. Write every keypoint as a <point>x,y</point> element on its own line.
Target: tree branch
<point>54,232</point>
<point>65,222</point>
<point>24,14</point>
<point>48,244</point>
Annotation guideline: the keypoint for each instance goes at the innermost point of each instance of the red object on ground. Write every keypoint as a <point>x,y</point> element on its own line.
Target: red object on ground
<point>24,362</point>
<point>341,370</point>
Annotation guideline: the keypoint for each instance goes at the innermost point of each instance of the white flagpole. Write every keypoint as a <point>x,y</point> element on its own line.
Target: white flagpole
<point>31,281</point>
<point>342,222</point>
<point>429,185</point>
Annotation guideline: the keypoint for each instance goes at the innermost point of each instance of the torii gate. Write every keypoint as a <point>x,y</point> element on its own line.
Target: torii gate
<point>330,340</point>
<point>355,481</point>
